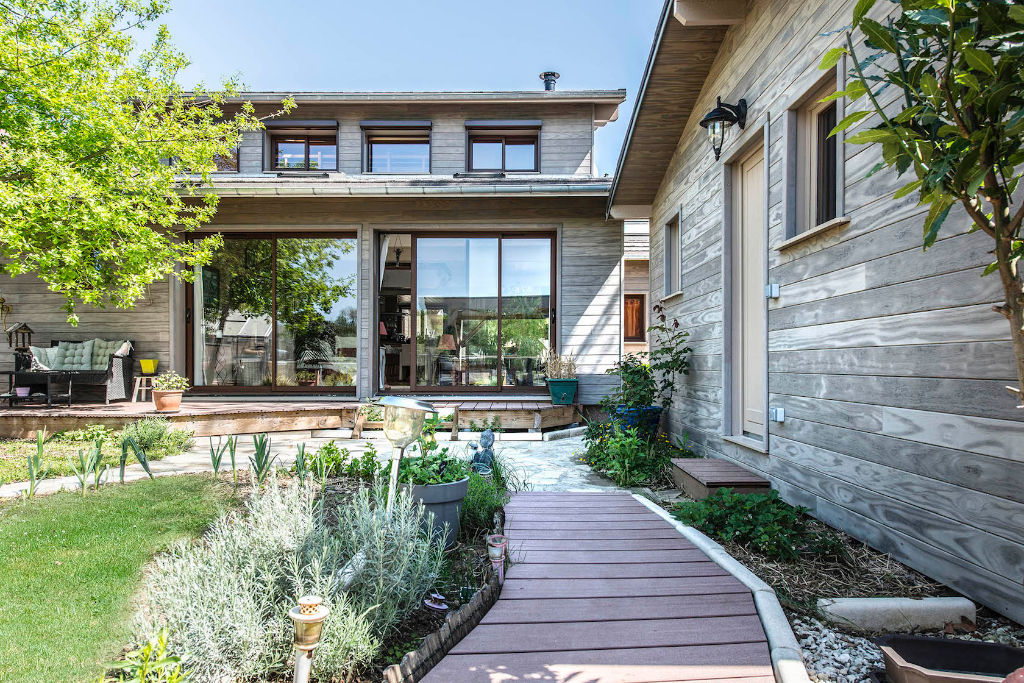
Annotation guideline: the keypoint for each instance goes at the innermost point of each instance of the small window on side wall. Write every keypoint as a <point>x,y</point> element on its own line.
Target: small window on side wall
<point>503,152</point>
<point>817,162</point>
<point>634,328</point>
<point>672,279</point>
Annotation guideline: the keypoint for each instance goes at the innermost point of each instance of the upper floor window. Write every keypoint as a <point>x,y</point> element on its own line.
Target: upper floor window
<point>503,145</point>
<point>305,152</point>
<point>817,163</point>
<point>396,146</point>
<point>503,153</point>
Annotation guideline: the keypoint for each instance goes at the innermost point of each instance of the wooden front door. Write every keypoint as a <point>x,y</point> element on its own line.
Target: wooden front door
<point>748,303</point>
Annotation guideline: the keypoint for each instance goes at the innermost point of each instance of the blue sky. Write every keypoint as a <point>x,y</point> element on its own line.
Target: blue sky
<point>422,45</point>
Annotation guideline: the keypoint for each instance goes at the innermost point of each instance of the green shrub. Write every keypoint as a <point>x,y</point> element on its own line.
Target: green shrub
<point>486,495</point>
<point>366,466</point>
<point>90,434</point>
<point>626,456</point>
<point>151,663</point>
<point>224,601</point>
<point>760,521</point>
<point>155,435</point>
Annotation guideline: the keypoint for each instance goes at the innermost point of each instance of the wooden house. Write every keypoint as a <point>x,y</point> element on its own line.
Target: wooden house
<point>862,376</point>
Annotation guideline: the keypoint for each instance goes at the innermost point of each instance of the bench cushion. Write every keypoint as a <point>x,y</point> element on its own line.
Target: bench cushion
<point>64,356</point>
<point>102,350</point>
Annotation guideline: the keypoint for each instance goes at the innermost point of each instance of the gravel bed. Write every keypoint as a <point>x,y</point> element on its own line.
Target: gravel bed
<point>833,656</point>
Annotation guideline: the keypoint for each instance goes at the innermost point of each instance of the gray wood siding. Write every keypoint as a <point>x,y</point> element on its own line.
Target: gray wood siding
<point>566,136</point>
<point>888,360</point>
<point>147,324</point>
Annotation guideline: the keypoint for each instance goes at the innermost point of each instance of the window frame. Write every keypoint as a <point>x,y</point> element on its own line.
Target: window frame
<point>397,132</point>
<point>812,161</point>
<point>504,138</point>
<point>277,138</point>
<point>672,281</point>
<point>642,338</point>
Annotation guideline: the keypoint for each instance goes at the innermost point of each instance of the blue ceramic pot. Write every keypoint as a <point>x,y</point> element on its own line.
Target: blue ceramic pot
<point>644,418</point>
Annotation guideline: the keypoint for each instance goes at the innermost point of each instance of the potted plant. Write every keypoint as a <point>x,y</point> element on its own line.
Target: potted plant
<point>438,481</point>
<point>167,391</point>
<point>561,379</point>
<point>648,379</point>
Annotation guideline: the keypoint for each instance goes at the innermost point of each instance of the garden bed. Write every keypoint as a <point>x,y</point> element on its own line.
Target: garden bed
<point>822,562</point>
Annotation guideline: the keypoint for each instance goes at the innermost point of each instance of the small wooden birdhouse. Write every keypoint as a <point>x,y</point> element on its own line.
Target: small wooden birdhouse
<point>19,335</point>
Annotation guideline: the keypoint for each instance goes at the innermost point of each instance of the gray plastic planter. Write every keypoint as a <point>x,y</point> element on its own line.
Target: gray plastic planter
<point>445,502</point>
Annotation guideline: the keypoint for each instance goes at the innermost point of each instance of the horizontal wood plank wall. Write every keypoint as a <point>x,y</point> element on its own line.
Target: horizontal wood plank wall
<point>148,324</point>
<point>888,361</point>
<point>588,314</point>
<point>565,138</point>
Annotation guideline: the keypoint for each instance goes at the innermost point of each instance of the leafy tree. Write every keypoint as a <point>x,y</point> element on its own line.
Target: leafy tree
<point>959,128</point>
<point>89,120</point>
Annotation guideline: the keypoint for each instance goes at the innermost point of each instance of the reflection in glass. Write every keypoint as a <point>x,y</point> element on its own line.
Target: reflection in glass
<point>323,154</point>
<point>525,309</point>
<point>487,154</point>
<point>290,154</point>
<point>316,312</point>
<point>457,311</point>
<point>233,338</point>
<point>397,155</point>
<point>520,155</point>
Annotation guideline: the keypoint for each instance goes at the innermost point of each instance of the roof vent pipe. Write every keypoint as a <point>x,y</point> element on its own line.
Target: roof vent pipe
<point>549,78</point>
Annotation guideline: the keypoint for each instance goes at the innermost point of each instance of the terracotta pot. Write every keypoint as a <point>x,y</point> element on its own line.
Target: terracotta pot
<point>167,401</point>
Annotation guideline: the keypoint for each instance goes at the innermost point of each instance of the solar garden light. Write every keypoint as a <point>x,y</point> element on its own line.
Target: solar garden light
<point>403,424</point>
<point>496,544</point>
<point>308,617</point>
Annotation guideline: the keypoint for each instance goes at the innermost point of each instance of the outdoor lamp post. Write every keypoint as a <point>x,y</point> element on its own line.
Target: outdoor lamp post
<point>308,617</point>
<point>403,424</point>
<point>720,118</point>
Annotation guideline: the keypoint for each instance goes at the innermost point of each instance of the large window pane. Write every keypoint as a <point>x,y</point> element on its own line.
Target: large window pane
<point>520,155</point>
<point>323,154</point>
<point>290,154</point>
<point>525,309</point>
<point>457,312</point>
<point>399,156</point>
<point>316,312</point>
<point>486,154</point>
<point>233,337</point>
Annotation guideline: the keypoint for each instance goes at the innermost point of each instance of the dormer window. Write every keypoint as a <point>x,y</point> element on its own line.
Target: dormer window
<point>400,147</point>
<point>303,145</point>
<point>503,146</point>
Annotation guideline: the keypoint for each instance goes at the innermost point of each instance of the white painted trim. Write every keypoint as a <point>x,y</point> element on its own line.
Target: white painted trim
<point>787,660</point>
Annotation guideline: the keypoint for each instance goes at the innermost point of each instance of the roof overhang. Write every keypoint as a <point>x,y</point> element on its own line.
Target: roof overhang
<point>606,102</point>
<point>689,35</point>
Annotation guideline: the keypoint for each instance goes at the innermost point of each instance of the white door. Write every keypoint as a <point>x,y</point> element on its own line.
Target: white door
<point>748,314</point>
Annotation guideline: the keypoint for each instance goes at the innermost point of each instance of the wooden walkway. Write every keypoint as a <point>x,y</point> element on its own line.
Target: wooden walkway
<point>603,590</point>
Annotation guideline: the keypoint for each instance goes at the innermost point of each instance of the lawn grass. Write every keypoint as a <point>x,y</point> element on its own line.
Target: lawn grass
<point>70,569</point>
<point>60,447</point>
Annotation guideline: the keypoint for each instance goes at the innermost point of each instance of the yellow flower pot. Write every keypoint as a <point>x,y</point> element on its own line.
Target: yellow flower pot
<point>148,365</point>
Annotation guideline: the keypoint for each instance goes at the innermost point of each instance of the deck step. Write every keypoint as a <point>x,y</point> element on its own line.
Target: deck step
<point>701,477</point>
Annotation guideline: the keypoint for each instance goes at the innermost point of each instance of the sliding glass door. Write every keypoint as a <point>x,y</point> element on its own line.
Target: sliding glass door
<point>483,311</point>
<point>278,314</point>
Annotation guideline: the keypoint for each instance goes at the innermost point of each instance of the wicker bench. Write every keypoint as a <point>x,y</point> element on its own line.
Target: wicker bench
<point>116,377</point>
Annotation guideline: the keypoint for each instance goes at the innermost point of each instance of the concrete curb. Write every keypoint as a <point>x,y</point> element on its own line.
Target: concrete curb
<point>787,660</point>
<point>564,433</point>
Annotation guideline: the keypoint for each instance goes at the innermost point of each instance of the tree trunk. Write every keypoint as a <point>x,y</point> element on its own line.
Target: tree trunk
<point>1013,308</point>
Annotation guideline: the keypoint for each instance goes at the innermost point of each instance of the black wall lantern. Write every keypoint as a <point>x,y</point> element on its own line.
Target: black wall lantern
<point>720,118</point>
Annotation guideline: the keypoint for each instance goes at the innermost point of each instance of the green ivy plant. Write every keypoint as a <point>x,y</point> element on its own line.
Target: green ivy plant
<point>958,125</point>
<point>761,521</point>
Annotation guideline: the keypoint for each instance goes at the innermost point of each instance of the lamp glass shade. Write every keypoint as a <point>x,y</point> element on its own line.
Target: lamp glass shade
<point>404,419</point>
<point>716,134</point>
<point>447,342</point>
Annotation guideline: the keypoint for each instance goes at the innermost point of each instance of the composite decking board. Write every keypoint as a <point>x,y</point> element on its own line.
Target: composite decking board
<point>678,543</point>
<point>577,534</point>
<point>736,663</point>
<point>641,523</point>
<point>523,589</point>
<point>655,570</point>
<point>608,556</point>
<point>587,635</point>
<point>602,590</point>
<point>618,609</point>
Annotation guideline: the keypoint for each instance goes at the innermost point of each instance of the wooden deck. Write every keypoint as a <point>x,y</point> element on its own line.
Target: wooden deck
<point>602,590</point>
<point>216,417</point>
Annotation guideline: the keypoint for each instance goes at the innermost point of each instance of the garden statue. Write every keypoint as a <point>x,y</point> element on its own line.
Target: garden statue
<point>483,459</point>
